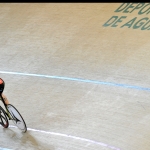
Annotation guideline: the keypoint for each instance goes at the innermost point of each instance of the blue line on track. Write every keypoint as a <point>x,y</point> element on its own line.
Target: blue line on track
<point>78,80</point>
<point>4,148</point>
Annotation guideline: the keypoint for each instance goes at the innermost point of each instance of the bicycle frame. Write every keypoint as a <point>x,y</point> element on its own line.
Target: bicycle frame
<point>11,111</point>
<point>7,112</point>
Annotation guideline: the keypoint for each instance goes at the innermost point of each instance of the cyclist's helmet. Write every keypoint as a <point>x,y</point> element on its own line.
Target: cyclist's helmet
<point>2,85</point>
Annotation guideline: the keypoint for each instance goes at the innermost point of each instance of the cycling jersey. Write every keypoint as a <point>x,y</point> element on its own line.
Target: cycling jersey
<point>2,85</point>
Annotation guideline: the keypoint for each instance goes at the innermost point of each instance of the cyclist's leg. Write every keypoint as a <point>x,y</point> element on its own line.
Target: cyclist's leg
<point>5,99</point>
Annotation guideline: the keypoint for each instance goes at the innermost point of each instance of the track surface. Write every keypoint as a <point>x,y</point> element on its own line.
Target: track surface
<point>79,84</point>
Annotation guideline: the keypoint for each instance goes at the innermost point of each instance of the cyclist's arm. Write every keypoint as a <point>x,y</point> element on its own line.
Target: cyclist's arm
<point>5,99</point>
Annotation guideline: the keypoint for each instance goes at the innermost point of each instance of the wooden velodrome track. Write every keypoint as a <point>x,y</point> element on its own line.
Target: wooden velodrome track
<point>78,73</point>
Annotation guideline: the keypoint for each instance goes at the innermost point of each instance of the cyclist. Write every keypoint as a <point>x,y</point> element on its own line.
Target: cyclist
<point>2,85</point>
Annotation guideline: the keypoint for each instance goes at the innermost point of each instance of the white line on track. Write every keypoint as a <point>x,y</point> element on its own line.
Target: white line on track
<point>72,137</point>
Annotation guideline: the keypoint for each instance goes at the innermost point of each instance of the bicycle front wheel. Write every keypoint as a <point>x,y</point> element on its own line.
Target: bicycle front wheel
<point>3,118</point>
<point>17,118</point>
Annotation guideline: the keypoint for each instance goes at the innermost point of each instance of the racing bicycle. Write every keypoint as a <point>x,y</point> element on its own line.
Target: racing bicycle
<point>11,113</point>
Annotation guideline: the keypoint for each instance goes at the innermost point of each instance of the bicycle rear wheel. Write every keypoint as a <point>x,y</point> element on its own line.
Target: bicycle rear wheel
<point>17,118</point>
<point>3,118</point>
